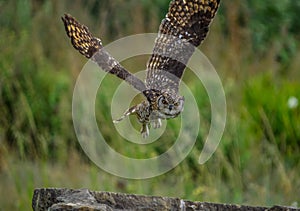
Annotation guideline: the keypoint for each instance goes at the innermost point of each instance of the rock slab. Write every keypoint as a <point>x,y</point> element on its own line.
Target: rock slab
<point>54,199</point>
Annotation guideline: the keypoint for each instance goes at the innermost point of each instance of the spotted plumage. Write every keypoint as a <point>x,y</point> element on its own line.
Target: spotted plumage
<point>184,28</point>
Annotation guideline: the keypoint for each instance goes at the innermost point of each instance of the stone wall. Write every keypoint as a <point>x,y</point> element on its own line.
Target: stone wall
<point>53,199</point>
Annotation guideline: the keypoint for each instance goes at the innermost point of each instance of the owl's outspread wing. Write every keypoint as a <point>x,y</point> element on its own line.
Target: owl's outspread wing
<point>184,28</point>
<point>91,47</point>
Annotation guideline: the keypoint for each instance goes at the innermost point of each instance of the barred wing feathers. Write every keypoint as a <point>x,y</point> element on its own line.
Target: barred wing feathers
<point>184,28</point>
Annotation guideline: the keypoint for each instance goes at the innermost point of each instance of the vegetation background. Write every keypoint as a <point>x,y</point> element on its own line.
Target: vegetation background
<point>254,46</point>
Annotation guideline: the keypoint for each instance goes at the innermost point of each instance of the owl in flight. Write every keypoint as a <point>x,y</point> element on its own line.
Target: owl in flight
<point>181,31</point>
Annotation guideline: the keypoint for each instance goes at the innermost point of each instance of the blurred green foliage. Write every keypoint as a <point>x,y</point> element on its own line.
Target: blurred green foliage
<point>254,46</point>
<point>274,21</point>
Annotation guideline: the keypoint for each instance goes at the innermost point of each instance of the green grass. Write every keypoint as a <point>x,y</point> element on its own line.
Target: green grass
<point>257,161</point>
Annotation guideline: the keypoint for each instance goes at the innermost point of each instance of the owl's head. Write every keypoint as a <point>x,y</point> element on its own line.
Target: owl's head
<point>165,104</point>
<point>169,105</point>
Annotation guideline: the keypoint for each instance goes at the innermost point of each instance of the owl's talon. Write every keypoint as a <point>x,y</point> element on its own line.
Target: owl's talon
<point>145,130</point>
<point>156,123</point>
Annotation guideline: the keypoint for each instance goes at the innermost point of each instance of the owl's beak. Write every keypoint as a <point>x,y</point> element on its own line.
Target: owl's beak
<point>171,107</point>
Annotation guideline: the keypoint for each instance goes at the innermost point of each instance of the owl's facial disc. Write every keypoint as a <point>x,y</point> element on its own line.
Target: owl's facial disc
<point>170,106</point>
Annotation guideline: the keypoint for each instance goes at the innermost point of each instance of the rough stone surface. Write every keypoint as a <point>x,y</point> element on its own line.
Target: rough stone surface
<point>53,199</point>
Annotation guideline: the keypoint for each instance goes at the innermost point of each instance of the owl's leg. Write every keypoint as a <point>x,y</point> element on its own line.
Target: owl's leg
<point>145,130</point>
<point>128,112</point>
<point>156,123</point>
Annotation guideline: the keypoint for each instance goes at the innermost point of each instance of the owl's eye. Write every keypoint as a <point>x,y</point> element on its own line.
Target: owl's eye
<point>164,101</point>
<point>176,104</point>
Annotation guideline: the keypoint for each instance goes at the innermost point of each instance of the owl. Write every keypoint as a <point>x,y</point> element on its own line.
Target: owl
<point>183,29</point>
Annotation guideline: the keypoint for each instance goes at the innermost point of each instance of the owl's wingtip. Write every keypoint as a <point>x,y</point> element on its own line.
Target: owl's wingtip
<point>64,17</point>
<point>68,18</point>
